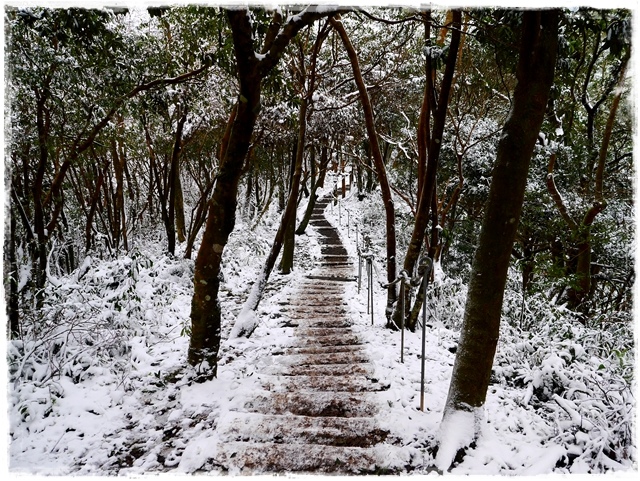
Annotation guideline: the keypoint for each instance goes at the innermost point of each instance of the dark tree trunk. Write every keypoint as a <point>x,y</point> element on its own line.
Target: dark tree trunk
<point>288,248</point>
<point>173,185</point>
<point>205,306</point>
<point>481,324</point>
<point>13,304</point>
<point>428,182</point>
<point>379,165</point>
<point>324,164</point>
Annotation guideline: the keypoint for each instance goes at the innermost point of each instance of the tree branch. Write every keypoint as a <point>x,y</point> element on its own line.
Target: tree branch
<point>557,198</point>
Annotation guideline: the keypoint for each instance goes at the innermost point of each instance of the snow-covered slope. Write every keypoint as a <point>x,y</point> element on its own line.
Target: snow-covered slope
<point>100,385</point>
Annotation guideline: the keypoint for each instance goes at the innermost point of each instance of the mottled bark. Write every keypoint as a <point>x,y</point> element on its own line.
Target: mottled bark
<point>481,324</point>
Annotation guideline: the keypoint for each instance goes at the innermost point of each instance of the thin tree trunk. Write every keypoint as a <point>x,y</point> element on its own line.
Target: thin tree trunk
<point>322,170</point>
<point>481,324</point>
<point>174,183</point>
<point>379,164</point>
<point>288,247</point>
<point>13,304</point>
<point>429,180</point>
<point>247,322</point>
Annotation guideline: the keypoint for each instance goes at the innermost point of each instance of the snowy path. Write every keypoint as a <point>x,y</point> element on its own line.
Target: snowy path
<point>315,413</point>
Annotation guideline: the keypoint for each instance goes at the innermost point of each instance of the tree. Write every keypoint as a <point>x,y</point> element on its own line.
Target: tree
<point>247,322</point>
<point>609,56</point>
<point>429,150</point>
<point>381,171</point>
<point>481,324</point>
<point>252,68</point>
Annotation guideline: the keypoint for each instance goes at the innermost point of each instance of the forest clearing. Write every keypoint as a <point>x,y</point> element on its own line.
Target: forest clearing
<point>319,240</point>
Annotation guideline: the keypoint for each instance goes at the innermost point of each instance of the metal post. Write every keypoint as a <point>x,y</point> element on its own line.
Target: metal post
<point>371,286</point>
<point>402,321</point>
<point>425,281</point>
<point>359,271</point>
<point>368,294</point>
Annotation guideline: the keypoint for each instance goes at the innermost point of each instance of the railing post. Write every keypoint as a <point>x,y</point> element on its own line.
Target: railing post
<point>402,287</point>
<point>425,281</point>
<point>360,272</point>
<point>368,286</point>
<point>371,285</point>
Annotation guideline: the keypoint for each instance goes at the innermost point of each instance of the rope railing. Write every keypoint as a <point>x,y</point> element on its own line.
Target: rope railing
<point>420,278</point>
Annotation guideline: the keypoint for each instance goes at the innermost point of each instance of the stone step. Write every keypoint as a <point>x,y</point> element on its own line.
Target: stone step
<point>328,358</point>
<point>305,383</point>
<point>315,403</point>
<point>336,258</point>
<point>344,339</point>
<point>323,349</point>
<point>326,330</point>
<point>253,459</point>
<point>334,264</point>
<point>305,322</point>
<point>308,311</point>
<point>320,370</point>
<point>329,431</point>
<point>332,278</point>
<point>310,301</point>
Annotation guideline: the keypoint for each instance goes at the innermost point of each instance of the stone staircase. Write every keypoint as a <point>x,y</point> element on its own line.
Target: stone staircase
<point>316,411</point>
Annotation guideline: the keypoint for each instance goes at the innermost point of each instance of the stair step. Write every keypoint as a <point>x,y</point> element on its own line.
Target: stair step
<point>319,403</point>
<point>304,322</point>
<point>327,330</point>
<point>333,278</point>
<point>249,458</point>
<point>301,383</point>
<point>328,358</point>
<point>319,370</point>
<point>324,349</point>
<point>330,431</point>
<point>308,311</point>
<point>327,340</point>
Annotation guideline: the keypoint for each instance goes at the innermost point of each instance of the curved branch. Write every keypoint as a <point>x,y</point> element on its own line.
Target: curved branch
<point>557,198</point>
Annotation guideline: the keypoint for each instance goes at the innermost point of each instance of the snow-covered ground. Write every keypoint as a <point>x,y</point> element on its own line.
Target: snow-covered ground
<point>100,385</point>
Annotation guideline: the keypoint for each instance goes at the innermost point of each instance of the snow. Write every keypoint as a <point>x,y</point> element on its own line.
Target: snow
<point>105,389</point>
<point>457,431</point>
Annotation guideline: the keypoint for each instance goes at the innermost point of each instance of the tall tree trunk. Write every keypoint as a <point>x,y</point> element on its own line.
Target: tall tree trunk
<point>428,182</point>
<point>319,182</point>
<point>205,306</point>
<point>174,184</point>
<point>288,247</point>
<point>247,322</point>
<point>13,304</point>
<point>179,206</point>
<point>379,164</point>
<point>481,324</point>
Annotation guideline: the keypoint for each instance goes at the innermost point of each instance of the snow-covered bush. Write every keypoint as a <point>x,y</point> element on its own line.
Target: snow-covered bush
<point>580,380</point>
<point>101,319</point>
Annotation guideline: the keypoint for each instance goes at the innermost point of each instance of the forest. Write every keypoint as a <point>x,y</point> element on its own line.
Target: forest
<point>319,239</point>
